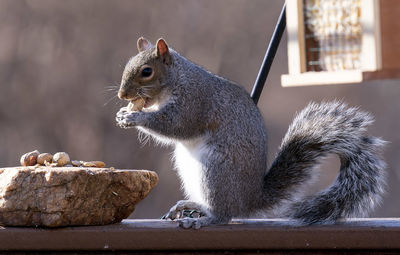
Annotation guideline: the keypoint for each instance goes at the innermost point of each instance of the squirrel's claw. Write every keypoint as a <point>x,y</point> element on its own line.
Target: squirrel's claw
<point>124,124</point>
<point>190,215</point>
<point>171,215</point>
<point>186,209</point>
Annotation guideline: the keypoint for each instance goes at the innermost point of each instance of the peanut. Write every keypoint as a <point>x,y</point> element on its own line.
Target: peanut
<point>61,158</point>
<point>30,158</point>
<point>43,157</point>
<point>98,164</point>
<point>136,105</point>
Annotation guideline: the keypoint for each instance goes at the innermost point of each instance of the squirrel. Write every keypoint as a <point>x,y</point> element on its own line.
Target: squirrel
<point>221,145</point>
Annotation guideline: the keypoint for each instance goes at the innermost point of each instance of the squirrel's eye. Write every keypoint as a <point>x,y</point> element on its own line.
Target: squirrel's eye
<point>147,72</point>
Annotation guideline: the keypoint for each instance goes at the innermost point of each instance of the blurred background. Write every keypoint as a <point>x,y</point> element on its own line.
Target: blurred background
<point>58,60</point>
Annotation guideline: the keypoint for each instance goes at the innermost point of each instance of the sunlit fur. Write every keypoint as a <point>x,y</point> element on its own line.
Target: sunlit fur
<point>221,148</point>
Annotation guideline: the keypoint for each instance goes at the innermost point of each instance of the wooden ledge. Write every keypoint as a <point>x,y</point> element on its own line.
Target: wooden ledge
<point>253,234</point>
<point>337,77</point>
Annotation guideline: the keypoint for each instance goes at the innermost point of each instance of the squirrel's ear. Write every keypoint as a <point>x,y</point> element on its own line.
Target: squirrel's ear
<point>163,51</point>
<point>143,44</point>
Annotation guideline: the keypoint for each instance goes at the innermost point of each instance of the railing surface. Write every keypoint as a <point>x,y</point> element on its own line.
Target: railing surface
<point>276,236</point>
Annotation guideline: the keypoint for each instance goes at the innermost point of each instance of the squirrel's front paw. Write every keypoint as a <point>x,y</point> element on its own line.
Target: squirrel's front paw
<point>125,118</point>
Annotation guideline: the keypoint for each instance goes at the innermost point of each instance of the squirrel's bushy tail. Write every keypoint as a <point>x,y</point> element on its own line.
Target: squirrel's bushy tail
<point>319,130</point>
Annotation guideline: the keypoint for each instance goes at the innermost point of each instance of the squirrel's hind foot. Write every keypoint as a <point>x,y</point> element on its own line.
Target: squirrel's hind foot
<point>195,223</point>
<point>189,214</point>
<point>186,208</point>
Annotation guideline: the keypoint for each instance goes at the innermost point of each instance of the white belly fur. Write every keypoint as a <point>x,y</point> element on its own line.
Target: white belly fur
<point>188,155</point>
<point>159,139</point>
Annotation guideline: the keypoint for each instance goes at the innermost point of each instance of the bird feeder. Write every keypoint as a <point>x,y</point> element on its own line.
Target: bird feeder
<point>342,41</point>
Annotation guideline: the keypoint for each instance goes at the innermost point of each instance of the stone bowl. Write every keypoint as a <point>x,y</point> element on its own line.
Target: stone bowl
<point>70,196</point>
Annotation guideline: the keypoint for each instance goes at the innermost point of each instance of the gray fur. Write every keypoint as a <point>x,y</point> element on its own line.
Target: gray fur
<point>316,131</point>
<point>216,122</point>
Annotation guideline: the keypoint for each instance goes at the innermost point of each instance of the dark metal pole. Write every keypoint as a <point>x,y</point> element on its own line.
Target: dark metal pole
<point>269,56</point>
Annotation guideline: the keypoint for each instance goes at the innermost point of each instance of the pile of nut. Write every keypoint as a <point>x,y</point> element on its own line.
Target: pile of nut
<point>59,159</point>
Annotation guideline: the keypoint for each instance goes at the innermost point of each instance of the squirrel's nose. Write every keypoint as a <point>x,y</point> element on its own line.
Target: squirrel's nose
<point>122,94</point>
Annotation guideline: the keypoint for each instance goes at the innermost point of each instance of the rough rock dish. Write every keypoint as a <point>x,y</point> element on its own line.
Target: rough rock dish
<point>65,196</point>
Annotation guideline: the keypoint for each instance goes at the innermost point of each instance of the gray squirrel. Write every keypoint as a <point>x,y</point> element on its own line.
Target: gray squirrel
<point>221,145</point>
